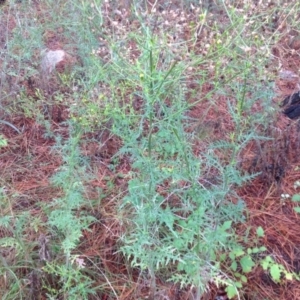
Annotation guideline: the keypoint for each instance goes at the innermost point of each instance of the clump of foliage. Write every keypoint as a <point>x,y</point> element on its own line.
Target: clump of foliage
<point>181,208</point>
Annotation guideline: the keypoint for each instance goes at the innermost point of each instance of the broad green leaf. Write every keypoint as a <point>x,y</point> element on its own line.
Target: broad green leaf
<point>223,257</point>
<point>247,263</point>
<point>275,272</point>
<point>262,249</point>
<point>233,266</point>
<point>297,209</point>
<point>232,255</point>
<point>296,198</point>
<point>226,225</point>
<point>213,255</point>
<point>260,232</point>
<point>231,291</point>
<point>266,263</point>
<point>289,276</point>
<point>237,275</point>
<point>237,252</point>
<point>3,141</point>
<point>256,250</point>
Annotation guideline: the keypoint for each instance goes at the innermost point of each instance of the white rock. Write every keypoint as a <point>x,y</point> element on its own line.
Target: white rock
<point>50,60</point>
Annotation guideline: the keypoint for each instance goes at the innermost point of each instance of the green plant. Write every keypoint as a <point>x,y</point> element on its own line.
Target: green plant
<point>176,223</point>
<point>139,78</point>
<point>296,198</point>
<point>66,219</point>
<point>244,261</point>
<point>3,141</point>
<point>70,178</point>
<point>277,271</point>
<point>74,284</point>
<point>17,253</point>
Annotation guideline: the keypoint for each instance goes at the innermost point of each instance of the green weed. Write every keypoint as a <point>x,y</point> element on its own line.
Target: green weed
<point>181,207</point>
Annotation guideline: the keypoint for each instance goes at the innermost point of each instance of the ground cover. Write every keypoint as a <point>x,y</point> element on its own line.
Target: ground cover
<point>144,153</point>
